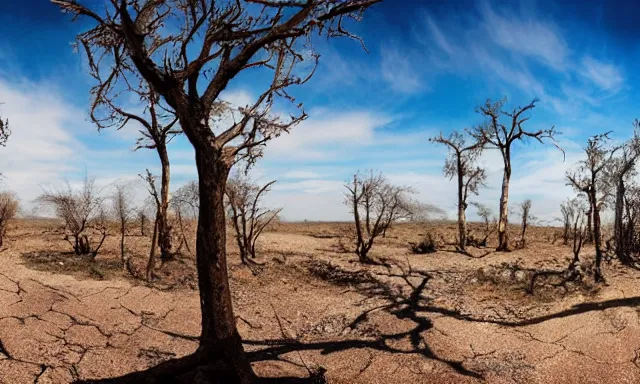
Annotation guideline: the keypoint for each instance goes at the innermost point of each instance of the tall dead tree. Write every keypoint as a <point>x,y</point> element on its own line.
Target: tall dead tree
<point>188,52</point>
<point>151,180</point>
<point>501,135</point>
<point>157,122</point>
<point>630,239</point>
<point>588,179</point>
<point>621,170</point>
<point>461,164</point>
<point>8,210</point>
<point>157,135</point>
<point>371,198</point>
<point>248,217</point>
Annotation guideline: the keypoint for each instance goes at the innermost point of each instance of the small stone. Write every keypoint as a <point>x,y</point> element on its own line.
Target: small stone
<point>426,366</point>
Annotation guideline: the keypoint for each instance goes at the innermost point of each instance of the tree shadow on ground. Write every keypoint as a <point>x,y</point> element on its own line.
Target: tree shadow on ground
<point>414,307</point>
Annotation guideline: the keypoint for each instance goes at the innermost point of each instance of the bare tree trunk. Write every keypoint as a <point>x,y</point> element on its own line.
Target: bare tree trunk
<point>143,218</point>
<point>122,255</point>
<point>164,235</point>
<point>596,236</point>
<point>220,340</point>
<point>589,237</point>
<point>462,205</point>
<point>524,230</point>
<point>619,236</point>
<point>152,252</point>
<point>503,234</point>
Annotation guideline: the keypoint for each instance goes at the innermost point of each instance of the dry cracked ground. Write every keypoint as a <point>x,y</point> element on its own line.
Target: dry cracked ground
<point>436,318</point>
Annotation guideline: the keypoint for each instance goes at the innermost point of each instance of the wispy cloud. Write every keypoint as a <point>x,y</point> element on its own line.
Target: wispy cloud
<point>606,76</point>
<point>399,70</point>
<point>526,36</point>
<point>325,132</point>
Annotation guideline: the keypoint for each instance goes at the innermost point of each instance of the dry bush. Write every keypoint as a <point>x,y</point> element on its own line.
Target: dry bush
<point>249,219</point>
<point>427,245</point>
<point>8,210</point>
<point>83,215</point>
<point>185,202</point>
<point>375,205</point>
<point>489,226</point>
<point>525,207</point>
<point>123,211</point>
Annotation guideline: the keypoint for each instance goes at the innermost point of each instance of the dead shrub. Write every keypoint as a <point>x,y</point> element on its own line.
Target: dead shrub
<point>427,245</point>
<point>83,214</point>
<point>8,210</point>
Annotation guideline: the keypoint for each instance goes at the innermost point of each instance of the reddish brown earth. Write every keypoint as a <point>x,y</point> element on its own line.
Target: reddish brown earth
<point>436,318</point>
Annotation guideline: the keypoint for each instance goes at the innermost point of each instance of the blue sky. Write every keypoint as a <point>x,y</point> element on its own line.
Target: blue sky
<point>430,64</point>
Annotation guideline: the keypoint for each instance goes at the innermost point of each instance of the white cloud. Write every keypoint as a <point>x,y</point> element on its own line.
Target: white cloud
<point>526,36</point>
<point>606,76</point>
<point>41,147</point>
<point>320,136</point>
<point>299,174</point>
<point>399,71</point>
<point>313,186</point>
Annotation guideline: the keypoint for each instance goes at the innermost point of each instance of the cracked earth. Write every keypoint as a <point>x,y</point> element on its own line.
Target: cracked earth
<point>421,319</point>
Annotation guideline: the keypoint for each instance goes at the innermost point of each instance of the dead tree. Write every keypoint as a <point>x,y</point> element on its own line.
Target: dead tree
<point>620,171</point>
<point>188,52</point>
<point>460,164</point>
<point>525,207</point>
<point>569,209</point>
<point>82,213</point>
<point>185,204</point>
<point>588,179</point>
<point>5,132</point>
<point>151,181</point>
<point>630,225</point>
<point>248,217</point>
<point>501,136</point>
<point>371,198</point>
<point>8,210</point>
<point>573,271</point>
<point>158,128</point>
<point>123,212</point>
<point>402,207</point>
<point>142,216</point>
<point>157,135</point>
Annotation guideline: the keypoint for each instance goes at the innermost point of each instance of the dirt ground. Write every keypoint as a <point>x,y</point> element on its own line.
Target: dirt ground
<point>435,318</point>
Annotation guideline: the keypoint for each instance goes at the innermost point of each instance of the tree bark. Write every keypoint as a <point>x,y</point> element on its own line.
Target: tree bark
<point>143,218</point>
<point>220,340</point>
<point>524,230</point>
<point>152,251</point>
<point>596,234</point>
<point>122,231</point>
<point>503,234</point>
<point>619,236</point>
<point>462,205</point>
<point>164,235</point>
<point>589,237</point>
